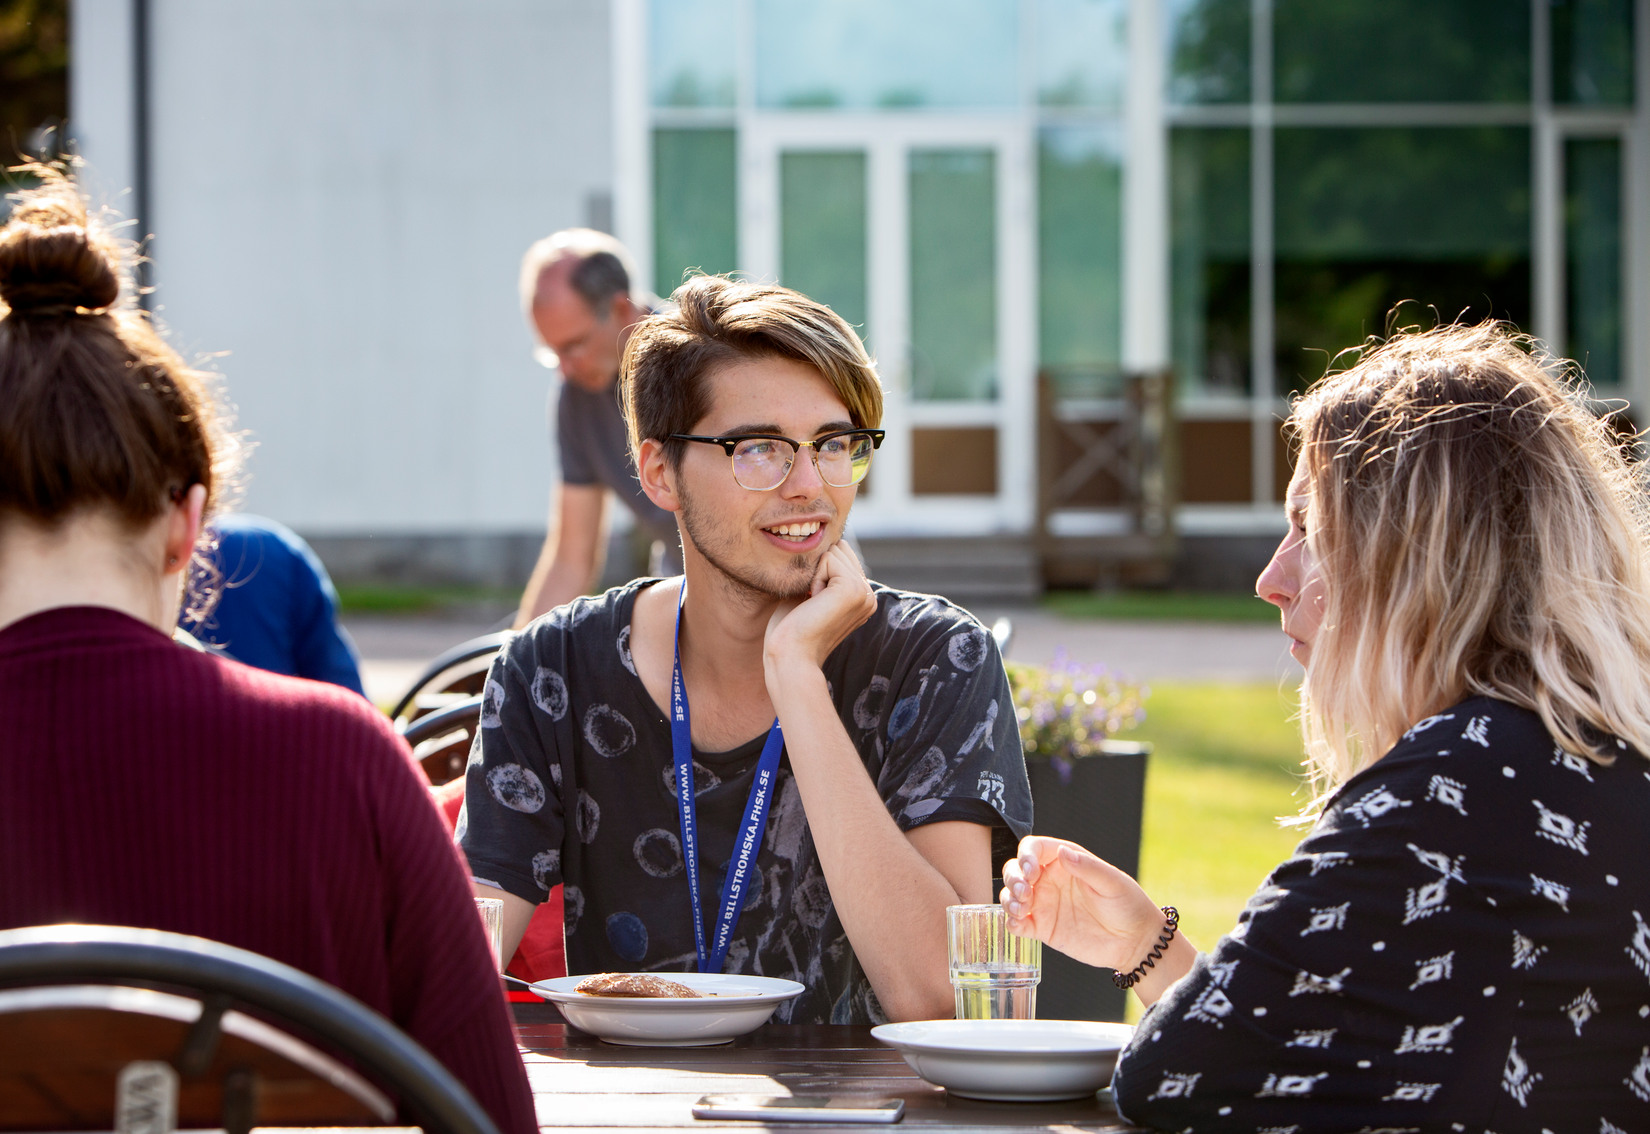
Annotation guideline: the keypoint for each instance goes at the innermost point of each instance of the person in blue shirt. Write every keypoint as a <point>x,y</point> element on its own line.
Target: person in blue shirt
<point>277,608</point>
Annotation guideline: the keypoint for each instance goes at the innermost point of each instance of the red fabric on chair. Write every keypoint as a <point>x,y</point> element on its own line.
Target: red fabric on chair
<point>542,953</point>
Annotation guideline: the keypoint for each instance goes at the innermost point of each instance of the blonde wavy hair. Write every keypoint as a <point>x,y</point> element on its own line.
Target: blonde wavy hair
<point>1478,531</point>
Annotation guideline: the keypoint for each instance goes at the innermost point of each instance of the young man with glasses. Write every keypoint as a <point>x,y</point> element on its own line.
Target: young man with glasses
<point>831,757</point>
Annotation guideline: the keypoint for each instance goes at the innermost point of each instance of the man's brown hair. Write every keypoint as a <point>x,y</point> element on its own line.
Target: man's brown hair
<point>719,321</point>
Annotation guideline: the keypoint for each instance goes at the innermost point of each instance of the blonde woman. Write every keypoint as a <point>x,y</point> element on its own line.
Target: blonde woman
<point>1461,942</point>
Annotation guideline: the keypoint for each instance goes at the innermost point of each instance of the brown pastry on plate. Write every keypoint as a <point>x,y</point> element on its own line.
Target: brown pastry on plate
<point>632,984</point>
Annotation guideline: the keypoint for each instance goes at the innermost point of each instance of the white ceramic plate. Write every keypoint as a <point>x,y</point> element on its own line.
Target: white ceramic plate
<point>1010,1060</point>
<point>731,1005</point>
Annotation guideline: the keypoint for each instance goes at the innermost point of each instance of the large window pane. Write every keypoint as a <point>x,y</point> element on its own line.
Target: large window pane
<point>953,273</point>
<point>1593,236</point>
<point>1082,52</point>
<point>695,205</point>
<point>822,229</point>
<point>1210,259</point>
<point>1369,218</point>
<point>1209,50</point>
<point>1079,251</point>
<point>1593,52</point>
<point>691,52</point>
<point>1401,50</point>
<point>872,53</point>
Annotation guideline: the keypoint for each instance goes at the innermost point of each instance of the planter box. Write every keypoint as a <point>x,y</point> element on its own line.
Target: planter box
<point>1100,807</point>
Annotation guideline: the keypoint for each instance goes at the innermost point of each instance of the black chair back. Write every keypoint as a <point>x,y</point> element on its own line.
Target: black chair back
<point>89,1011</point>
<point>438,713</point>
<point>441,739</point>
<point>461,670</point>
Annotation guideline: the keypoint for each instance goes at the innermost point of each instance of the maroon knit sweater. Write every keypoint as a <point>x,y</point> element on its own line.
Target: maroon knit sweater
<point>151,785</point>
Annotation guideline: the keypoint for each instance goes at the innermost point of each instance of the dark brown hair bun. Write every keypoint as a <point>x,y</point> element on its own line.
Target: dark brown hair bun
<point>51,263</point>
<point>96,411</point>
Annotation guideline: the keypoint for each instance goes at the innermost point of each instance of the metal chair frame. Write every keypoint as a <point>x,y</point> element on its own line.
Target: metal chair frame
<point>223,978</point>
<point>443,761</point>
<point>456,656</point>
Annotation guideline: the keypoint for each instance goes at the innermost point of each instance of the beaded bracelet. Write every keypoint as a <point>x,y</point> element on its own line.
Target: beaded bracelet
<point>1134,976</point>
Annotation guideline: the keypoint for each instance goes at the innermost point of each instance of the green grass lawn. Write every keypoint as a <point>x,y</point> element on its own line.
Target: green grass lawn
<point>1224,766</point>
<point>1156,606</point>
<point>393,599</point>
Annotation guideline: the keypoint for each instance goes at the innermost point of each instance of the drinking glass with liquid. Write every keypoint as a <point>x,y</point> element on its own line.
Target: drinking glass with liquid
<point>492,922</point>
<point>993,972</point>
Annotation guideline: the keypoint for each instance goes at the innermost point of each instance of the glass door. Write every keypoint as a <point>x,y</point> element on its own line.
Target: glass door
<point>917,232</point>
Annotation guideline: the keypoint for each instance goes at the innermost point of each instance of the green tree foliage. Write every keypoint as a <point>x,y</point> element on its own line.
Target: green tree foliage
<point>34,69</point>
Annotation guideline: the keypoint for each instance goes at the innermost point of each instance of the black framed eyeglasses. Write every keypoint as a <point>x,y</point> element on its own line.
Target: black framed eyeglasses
<point>762,461</point>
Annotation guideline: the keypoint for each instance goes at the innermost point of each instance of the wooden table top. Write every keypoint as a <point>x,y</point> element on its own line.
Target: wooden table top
<point>582,1083</point>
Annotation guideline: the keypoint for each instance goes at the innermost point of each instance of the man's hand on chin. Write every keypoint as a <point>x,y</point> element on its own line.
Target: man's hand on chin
<point>838,603</point>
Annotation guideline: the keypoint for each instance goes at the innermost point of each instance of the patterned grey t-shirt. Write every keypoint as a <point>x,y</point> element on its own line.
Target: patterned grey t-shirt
<point>571,781</point>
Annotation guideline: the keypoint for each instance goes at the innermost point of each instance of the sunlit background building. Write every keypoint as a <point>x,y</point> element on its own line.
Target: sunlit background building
<point>1026,206</point>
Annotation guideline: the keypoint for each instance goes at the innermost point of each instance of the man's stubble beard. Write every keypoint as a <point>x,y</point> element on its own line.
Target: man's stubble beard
<point>719,552</point>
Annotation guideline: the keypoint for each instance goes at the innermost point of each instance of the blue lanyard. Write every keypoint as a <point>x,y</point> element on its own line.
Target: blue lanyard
<point>756,816</point>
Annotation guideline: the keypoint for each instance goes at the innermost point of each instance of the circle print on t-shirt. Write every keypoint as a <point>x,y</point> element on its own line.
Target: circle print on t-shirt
<point>492,700</point>
<point>905,714</point>
<point>627,935</point>
<point>587,817</point>
<point>550,693</point>
<point>924,775</point>
<point>812,900</point>
<point>967,650</point>
<point>703,779</point>
<point>517,788</point>
<point>868,705</point>
<point>904,612</point>
<point>608,732</point>
<point>658,853</point>
<point>546,863</point>
<point>572,907</point>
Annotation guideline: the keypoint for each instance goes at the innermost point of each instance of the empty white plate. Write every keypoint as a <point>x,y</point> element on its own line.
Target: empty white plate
<point>729,1005</point>
<point>1010,1060</point>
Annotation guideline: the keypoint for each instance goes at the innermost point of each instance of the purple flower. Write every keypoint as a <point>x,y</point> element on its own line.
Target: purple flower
<point>1066,710</point>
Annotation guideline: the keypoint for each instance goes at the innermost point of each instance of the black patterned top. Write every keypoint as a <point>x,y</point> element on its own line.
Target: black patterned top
<point>572,781</point>
<point>1461,944</point>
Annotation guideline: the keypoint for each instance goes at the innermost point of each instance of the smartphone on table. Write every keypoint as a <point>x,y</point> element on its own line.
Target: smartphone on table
<point>800,1108</point>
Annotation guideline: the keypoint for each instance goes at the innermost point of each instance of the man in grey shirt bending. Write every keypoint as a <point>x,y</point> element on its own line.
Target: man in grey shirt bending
<point>576,288</point>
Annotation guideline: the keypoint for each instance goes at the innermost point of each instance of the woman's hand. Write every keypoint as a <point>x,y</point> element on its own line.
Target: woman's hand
<point>839,602</point>
<point>1079,904</point>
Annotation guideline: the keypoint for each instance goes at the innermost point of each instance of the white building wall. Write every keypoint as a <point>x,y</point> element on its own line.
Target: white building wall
<point>341,192</point>
<point>100,102</point>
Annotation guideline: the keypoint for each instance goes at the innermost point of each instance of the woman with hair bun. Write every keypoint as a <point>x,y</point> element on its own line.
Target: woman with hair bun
<point>1462,942</point>
<point>151,785</point>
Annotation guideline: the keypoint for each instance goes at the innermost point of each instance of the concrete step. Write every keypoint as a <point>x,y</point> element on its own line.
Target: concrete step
<point>967,569</point>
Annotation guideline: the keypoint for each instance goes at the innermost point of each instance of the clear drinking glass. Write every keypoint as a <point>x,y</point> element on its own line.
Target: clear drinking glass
<point>492,920</point>
<point>993,972</point>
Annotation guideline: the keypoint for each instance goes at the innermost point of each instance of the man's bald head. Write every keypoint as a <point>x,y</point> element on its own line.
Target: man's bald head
<point>576,290</point>
<point>598,266</point>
